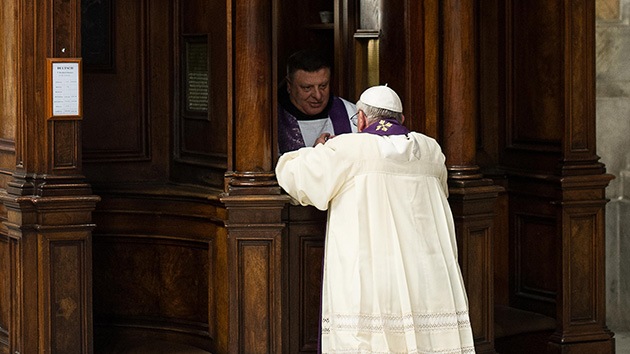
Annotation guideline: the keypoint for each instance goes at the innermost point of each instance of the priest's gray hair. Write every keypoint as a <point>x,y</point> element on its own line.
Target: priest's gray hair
<point>374,113</point>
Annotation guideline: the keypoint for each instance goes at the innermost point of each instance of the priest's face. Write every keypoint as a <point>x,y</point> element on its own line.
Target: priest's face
<point>310,91</point>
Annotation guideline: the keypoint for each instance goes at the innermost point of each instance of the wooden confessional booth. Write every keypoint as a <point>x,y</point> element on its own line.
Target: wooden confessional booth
<point>150,217</point>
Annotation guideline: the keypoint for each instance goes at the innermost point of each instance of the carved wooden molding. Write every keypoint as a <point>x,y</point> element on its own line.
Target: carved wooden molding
<point>255,270</point>
<point>581,304</point>
<point>473,206</point>
<point>53,252</point>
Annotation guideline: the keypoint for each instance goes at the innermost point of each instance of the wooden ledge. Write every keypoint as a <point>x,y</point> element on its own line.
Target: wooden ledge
<point>510,321</point>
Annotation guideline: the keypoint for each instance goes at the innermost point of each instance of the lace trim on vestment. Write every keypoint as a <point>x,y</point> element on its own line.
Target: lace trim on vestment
<point>398,324</point>
<point>426,322</point>
<point>465,350</point>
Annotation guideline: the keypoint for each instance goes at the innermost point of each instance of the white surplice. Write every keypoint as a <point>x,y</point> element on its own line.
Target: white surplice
<point>391,283</point>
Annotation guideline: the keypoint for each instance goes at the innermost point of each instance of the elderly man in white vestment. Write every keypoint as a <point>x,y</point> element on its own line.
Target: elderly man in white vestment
<point>391,283</point>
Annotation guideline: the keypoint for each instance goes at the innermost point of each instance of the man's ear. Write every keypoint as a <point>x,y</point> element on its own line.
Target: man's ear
<point>402,118</point>
<point>361,121</point>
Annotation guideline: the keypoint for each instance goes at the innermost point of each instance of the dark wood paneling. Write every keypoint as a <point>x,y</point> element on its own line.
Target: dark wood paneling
<point>491,118</point>
<point>392,40</point>
<point>479,240</point>
<point>473,212</point>
<point>9,88</point>
<point>254,80</point>
<point>531,101</point>
<point>116,122</point>
<point>418,87</point>
<point>50,272</point>
<point>306,229</point>
<point>156,264</point>
<point>254,313</point>
<point>537,95</point>
<point>5,292</point>
<point>65,31</point>
<point>69,270</point>
<point>127,125</point>
<point>501,249</point>
<point>65,154</point>
<point>255,269</point>
<point>555,184</point>
<point>201,140</point>
<point>159,278</point>
<point>535,281</point>
<point>534,245</point>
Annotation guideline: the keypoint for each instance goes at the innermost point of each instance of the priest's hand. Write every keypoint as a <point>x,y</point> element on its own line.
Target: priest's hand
<point>323,138</point>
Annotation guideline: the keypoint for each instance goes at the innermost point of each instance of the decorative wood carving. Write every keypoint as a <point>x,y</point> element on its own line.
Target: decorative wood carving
<point>555,182</point>
<point>304,252</point>
<point>47,204</point>
<point>472,198</point>
<point>527,116</point>
<point>255,267</point>
<point>52,268</point>
<point>121,131</point>
<point>160,257</point>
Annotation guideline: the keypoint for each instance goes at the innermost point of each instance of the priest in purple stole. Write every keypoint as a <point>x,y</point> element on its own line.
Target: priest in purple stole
<point>308,113</point>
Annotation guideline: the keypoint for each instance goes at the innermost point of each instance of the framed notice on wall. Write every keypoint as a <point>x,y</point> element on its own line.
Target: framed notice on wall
<point>64,87</point>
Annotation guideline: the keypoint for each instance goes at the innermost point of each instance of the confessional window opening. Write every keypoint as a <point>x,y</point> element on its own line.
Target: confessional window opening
<point>195,78</point>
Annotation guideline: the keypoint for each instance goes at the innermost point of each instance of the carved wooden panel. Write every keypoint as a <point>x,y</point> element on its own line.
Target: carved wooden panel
<point>65,18</point>
<point>473,212</point>
<point>127,125</point>
<point>255,313</point>
<point>9,260</point>
<point>580,56</point>
<point>134,106</point>
<point>256,274</point>
<point>501,250</point>
<point>534,246</point>
<point>116,115</point>
<point>66,152</point>
<point>154,283</point>
<point>66,264</point>
<point>582,252</point>
<point>535,240</point>
<point>477,240</point>
<point>5,292</point>
<point>155,267</point>
<point>9,88</point>
<point>531,77</point>
<point>97,35</point>
<point>537,96</point>
<point>253,95</point>
<point>201,133</point>
<point>306,229</point>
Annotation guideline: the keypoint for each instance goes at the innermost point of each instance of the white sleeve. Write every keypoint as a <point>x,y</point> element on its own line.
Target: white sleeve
<point>312,175</point>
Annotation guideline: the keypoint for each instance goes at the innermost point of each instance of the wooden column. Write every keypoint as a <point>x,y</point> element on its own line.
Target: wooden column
<point>472,197</point>
<point>255,270</point>
<point>581,198</point>
<point>253,198</point>
<point>48,203</point>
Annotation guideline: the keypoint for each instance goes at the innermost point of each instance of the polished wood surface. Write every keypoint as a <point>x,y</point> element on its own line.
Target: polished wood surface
<point>141,222</point>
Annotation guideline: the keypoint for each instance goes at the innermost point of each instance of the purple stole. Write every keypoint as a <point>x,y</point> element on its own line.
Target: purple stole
<point>386,126</point>
<point>289,134</point>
